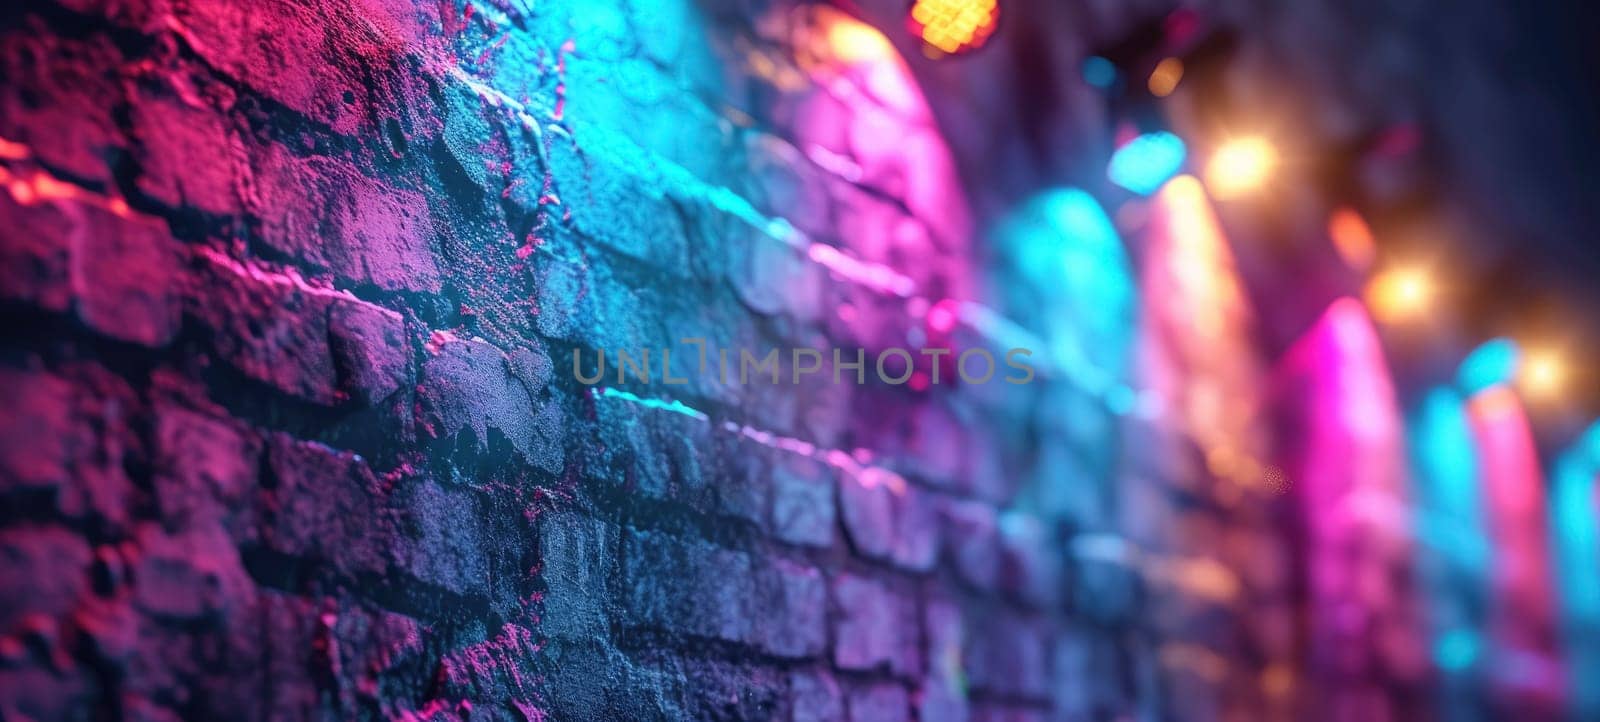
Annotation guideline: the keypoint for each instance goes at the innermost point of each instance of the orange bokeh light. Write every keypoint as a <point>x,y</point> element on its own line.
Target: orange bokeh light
<point>1543,373</point>
<point>1165,77</point>
<point>1352,239</point>
<point>954,26</point>
<point>1400,293</point>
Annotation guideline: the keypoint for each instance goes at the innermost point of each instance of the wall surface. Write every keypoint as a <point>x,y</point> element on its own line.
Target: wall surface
<point>291,293</point>
<point>289,427</point>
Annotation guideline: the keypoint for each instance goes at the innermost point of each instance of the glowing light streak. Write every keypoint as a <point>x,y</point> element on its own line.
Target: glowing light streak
<point>850,464</point>
<point>1523,615</point>
<point>1350,465</point>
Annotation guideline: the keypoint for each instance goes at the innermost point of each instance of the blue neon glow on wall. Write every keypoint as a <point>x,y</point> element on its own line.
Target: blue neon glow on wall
<point>1457,650</point>
<point>1492,364</point>
<point>1077,288</point>
<point>1144,163</point>
<point>1449,518</point>
<point>1577,550</point>
<point>1449,502</point>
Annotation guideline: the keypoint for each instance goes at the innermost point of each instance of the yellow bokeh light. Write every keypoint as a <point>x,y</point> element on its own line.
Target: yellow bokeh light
<point>1401,293</point>
<point>1239,166</point>
<point>951,26</point>
<point>1543,373</point>
<point>856,42</point>
<point>1164,79</point>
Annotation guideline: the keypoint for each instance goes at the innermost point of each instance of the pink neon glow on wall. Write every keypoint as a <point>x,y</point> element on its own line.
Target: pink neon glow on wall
<point>1195,352</point>
<point>1522,607</point>
<point>1348,466</point>
<point>865,121</point>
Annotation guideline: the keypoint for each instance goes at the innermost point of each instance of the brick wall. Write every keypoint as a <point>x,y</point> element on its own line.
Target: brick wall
<point>291,293</point>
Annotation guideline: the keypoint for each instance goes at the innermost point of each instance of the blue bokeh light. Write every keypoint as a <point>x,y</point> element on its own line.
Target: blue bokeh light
<point>1099,72</point>
<point>1143,164</point>
<point>1492,364</point>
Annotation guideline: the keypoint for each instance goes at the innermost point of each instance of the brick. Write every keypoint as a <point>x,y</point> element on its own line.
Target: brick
<point>36,257</point>
<point>792,600</point>
<point>62,94</point>
<point>205,468</point>
<point>36,691</point>
<point>189,575</point>
<point>186,154</point>
<point>327,213</point>
<point>625,92</point>
<point>689,587</point>
<point>775,278</point>
<point>469,136</point>
<point>1067,489</point>
<point>562,286</point>
<point>326,506</point>
<point>471,385</point>
<point>814,696</point>
<point>1008,654</point>
<point>271,47</point>
<point>879,703</point>
<point>630,449</point>
<point>72,445</point>
<point>802,502</point>
<point>578,559</point>
<point>369,348</point>
<point>53,561</point>
<point>944,689</point>
<point>282,634</point>
<point>714,689</point>
<point>941,444</point>
<point>889,519</point>
<point>373,651</point>
<point>875,627</point>
<point>827,409</point>
<point>738,478</point>
<point>117,270</point>
<point>971,541</point>
<point>1105,587</point>
<point>442,536</point>
<point>125,276</point>
<point>698,589</point>
<point>296,657</point>
<point>616,197</point>
<point>270,326</point>
<point>303,340</point>
<point>782,182</point>
<point>1030,569</point>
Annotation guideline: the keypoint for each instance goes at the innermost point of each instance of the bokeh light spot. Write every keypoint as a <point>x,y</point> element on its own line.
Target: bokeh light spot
<point>1166,76</point>
<point>1143,164</point>
<point>1352,238</point>
<point>954,26</point>
<point>1240,166</point>
<point>1400,294</point>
